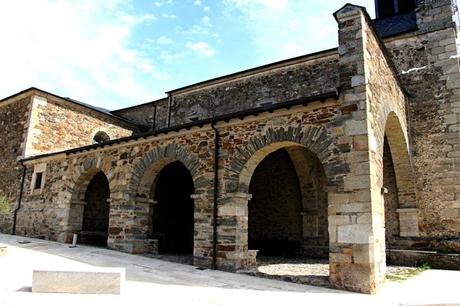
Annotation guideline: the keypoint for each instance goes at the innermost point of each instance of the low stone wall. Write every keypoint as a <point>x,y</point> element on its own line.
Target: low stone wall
<point>439,244</point>
<point>434,259</point>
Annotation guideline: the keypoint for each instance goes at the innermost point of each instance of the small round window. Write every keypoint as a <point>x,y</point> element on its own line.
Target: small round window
<point>101,137</point>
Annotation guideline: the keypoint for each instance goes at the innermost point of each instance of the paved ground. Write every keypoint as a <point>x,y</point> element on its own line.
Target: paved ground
<point>155,282</point>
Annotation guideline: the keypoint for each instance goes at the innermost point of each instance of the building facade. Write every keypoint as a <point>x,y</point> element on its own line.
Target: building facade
<point>352,154</point>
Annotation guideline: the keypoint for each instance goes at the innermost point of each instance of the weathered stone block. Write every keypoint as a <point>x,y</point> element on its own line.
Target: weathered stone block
<point>355,233</point>
<point>101,281</point>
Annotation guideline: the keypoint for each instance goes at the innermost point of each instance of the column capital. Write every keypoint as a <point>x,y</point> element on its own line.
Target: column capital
<point>240,195</point>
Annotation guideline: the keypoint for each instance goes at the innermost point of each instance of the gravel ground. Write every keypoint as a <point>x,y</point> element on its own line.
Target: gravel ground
<point>309,271</point>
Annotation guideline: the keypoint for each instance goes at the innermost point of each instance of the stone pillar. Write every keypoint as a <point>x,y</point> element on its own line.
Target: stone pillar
<point>129,225</point>
<point>356,214</point>
<point>73,223</point>
<point>232,247</point>
<point>203,237</point>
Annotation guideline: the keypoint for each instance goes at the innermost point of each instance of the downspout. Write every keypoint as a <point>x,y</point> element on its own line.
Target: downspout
<point>169,109</point>
<point>216,194</point>
<point>15,215</point>
<point>154,121</point>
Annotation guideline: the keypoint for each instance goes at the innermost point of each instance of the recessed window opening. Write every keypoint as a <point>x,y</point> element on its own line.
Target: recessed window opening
<point>101,137</point>
<point>38,180</point>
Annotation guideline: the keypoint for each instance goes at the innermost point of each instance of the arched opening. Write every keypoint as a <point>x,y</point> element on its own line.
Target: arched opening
<point>95,224</point>
<point>287,215</point>
<point>391,201</point>
<point>400,202</point>
<point>172,218</point>
<point>101,137</point>
<point>275,220</point>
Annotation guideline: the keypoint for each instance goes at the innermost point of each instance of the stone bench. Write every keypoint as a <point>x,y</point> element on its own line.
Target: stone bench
<point>100,281</point>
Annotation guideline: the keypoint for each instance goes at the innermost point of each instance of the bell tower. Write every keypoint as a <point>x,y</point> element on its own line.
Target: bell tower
<point>389,8</point>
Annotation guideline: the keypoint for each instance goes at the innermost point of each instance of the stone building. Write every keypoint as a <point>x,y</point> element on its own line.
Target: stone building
<point>352,154</point>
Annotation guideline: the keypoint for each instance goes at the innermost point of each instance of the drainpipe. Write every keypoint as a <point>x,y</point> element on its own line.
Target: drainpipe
<point>15,216</point>
<point>216,194</point>
<point>154,121</point>
<point>169,109</point>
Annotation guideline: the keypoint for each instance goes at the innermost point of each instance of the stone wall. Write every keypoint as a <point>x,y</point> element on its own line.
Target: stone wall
<point>131,169</point>
<point>153,114</point>
<point>431,77</point>
<point>294,79</point>
<point>13,119</point>
<point>57,125</point>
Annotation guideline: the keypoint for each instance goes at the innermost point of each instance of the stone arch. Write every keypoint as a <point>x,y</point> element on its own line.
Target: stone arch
<point>315,139</point>
<point>397,139</point>
<point>312,139</point>
<point>147,169</point>
<point>84,172</point>
<point>399,146</point>
<point>144,177</point>
<point>82,175</point>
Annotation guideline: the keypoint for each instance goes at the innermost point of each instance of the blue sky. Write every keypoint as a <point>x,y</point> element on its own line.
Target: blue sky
<point>118,53</point>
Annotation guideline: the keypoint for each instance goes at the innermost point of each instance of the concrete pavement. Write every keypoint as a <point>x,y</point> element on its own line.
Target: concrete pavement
<point>155,282</point>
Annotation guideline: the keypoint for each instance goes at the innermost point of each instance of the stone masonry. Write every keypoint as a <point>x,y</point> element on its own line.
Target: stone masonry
<point>365,139</point>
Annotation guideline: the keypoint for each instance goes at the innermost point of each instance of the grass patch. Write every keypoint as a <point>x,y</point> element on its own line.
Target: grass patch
<point>404,273</point>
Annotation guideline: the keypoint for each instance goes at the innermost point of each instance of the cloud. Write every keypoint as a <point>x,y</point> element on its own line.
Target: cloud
<point>197,2</point>
<point>163,40</point>
<point>201,48</point>
<point>206,20</point>
<point>207,9</point>
<point>276,30</point>
<point>169,16</point>
<point>196,30</point>
<point>168,57</point>
<point>161,3</point>
<point>133,19</point>
<point>79,49</point>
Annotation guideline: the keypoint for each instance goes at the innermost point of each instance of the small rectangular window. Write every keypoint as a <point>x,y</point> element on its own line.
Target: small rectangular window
<point>38,180</point>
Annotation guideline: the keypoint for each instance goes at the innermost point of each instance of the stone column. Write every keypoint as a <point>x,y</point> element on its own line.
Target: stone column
<point>356,214</point>
<point>232,247</point>
<point>72,223</point>
<point>129,225</point>
<point>203,237</point>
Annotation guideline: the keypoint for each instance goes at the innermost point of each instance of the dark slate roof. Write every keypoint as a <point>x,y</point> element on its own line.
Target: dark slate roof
<point>397,24</point>
<point>99,109</point>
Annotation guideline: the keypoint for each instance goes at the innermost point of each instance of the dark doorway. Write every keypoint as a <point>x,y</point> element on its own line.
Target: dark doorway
<point>173,212</point>
<point>275,222</point>
<point>96,212</point>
